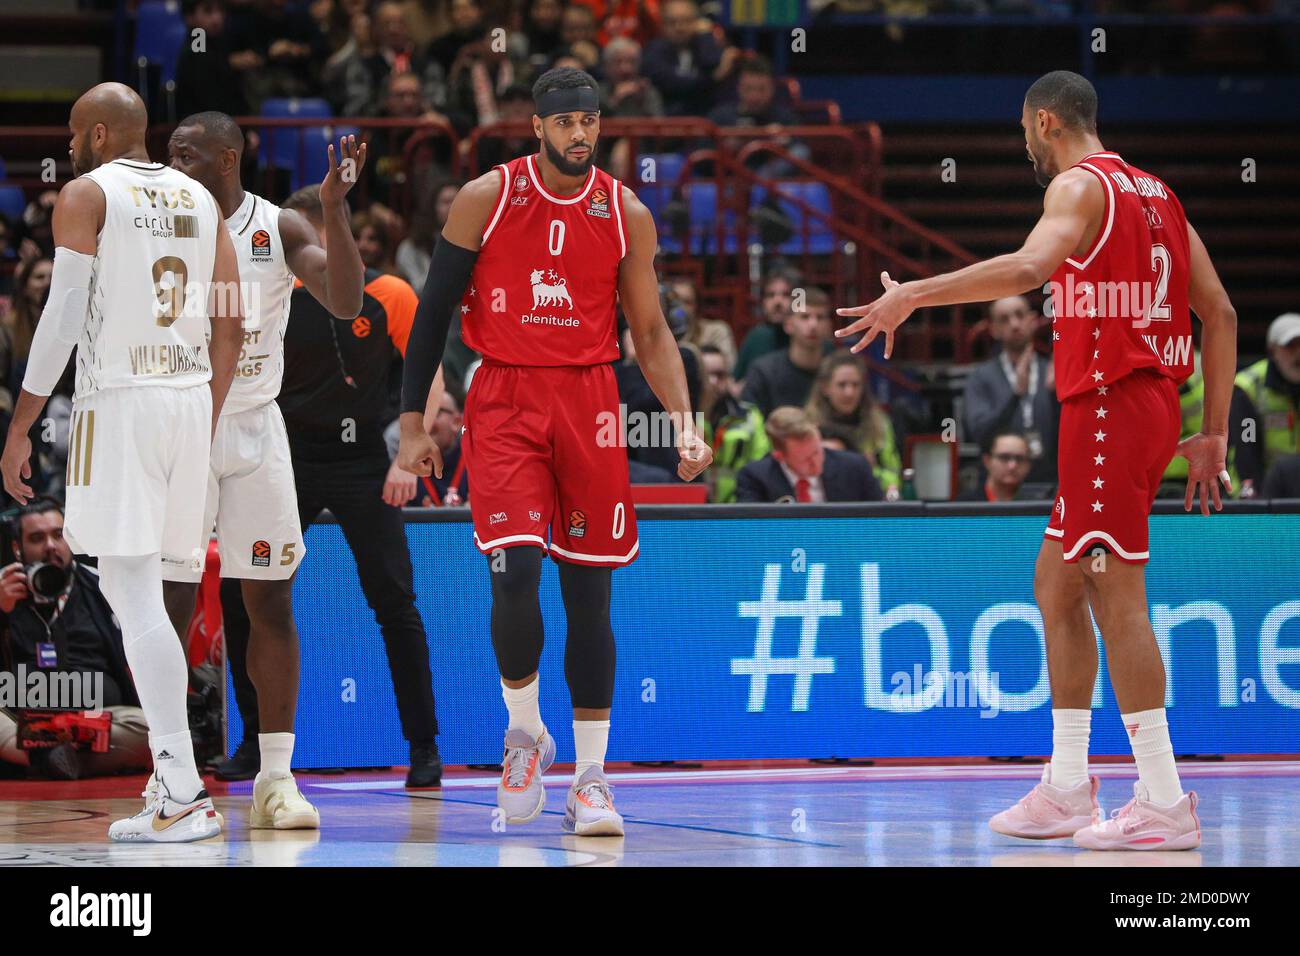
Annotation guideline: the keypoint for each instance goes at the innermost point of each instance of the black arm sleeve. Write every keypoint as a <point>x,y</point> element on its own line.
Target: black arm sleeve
<point>449,272</point>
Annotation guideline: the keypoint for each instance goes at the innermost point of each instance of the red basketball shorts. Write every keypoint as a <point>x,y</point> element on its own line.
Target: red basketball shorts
<point>540,459</point>
<point>1116,441</point>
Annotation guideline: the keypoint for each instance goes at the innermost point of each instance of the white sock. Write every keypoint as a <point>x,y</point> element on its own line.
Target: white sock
<point>521,702</point>
<point>1148,733</point>
<point>590,739</point>
<point>1070,730</point>
<point>277,754</point>
<point>173,761</point>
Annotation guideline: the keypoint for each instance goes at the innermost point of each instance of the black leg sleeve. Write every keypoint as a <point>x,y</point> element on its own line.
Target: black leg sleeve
<point>589,649</point>
<point>516,611</point>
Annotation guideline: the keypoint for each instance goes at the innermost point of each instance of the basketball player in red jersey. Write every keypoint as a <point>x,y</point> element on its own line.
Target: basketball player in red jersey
<point>1124,267</point>
<point>536,254</point>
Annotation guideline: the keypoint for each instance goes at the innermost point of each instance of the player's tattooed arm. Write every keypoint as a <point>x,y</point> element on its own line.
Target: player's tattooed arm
<point>78,218</point>
<point>1207,452</point>
<point>656,349</point>
<point>1072,211</point>
<point>449,274</point>
<point>226,317</point>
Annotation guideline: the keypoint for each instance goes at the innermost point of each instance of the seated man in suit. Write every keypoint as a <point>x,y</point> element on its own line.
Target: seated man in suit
<point>799,469</point>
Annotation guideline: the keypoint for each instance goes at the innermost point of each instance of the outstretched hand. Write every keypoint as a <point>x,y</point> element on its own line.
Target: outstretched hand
<point>345,169</point>
<point>881,316</point>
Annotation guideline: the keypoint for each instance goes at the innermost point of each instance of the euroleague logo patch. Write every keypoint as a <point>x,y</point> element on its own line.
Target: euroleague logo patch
<point>361,326</point>
<point>261,554</point>
<point>577,524</point>
<point>599,204</point>
<point>261,243</point>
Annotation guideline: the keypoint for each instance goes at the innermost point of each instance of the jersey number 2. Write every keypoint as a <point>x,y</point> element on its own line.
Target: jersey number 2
<point>1160,265</point>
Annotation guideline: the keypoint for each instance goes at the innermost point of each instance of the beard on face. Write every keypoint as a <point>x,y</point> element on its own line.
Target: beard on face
<point>83,160</point>
<point>568,166</point>
<point>1043,177</point>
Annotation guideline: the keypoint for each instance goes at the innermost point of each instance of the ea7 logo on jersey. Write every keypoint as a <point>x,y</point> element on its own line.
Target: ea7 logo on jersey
<point>261,243</point>
<point>599,204</point>
<point>549,288</point>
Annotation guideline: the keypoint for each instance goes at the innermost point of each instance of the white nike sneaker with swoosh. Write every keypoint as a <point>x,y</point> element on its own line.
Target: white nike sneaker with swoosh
<point>169,821</point>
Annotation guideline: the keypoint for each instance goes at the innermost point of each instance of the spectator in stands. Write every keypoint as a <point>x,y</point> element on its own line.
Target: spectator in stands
<point>374,236</point>
<point>467,27</point>
<point>73,631</point>
<point>481,74</point>
<point>1283,479</point>
<point>452,489</point>
<point>768,335</point>
<point>390,172</point>
<point>1265,411</point>
<point>681,294</point>
<point>346,28</point>
<point>786,377</point>
<point>514,105</point>
<point>1006,463</point>
<point>358,84</point>
<point>624,91</point>
<point>841,396</point>
<point>635,19</point>
<point>542,32</point>
<point>278,49</point>
<point>34,232</point>
<point>31,289</point>
<point>635,392</point>
<point>685,62</point>
<point>756,105</point>
<point>415,252</point>
<point>205,79</point>
<point>578,29</point>
<point>799,469</point>
<point>1016,388</point>
<point>733,428</point>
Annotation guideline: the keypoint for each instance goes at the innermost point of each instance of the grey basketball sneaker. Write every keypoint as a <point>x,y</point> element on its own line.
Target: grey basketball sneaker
<point>520,793</point>
<point>589,810</point>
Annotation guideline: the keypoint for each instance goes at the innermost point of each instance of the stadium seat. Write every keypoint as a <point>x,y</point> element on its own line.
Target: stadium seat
<point>315,153</point>
<point>159,33</point>
<point>821,241</point>
<point>290,148</point>
<point>12,202</point>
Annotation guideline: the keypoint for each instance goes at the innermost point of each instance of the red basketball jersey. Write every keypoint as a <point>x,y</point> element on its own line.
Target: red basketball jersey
<point>545,285</point>
<point>1123,306</point>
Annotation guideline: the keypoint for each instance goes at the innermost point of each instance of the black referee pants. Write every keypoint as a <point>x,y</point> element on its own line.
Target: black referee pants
<point>352,491</point>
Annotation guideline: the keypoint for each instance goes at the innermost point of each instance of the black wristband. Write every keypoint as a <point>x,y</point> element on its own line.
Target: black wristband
<point>449,273</point>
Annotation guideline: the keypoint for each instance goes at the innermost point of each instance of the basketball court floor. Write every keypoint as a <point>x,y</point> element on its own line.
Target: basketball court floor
<point>792,814</point>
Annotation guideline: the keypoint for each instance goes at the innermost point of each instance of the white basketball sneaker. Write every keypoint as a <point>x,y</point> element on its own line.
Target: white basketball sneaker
<point>165,820</point>
<point>278,804</point>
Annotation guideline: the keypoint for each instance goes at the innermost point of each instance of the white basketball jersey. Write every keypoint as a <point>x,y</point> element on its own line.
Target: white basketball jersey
<point>268,283</point>
<point>148,318</point>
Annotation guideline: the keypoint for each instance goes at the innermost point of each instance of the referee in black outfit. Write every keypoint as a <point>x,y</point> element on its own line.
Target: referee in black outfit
<point>339,392</point>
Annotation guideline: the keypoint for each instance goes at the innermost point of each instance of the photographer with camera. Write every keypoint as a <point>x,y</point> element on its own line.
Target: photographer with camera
<point>53,618</point>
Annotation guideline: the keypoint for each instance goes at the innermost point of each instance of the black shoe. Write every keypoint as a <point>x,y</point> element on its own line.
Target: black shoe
<point>62,762</point>
<point>243,764</point>
<point>426,767</point>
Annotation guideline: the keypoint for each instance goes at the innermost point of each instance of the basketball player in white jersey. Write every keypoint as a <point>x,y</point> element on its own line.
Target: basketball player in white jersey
<point>143,264</point>
<point>250,489</point>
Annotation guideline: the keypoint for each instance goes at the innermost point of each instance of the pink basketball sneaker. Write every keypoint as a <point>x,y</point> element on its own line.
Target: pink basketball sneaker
<point>1049,812</point>
<point>1141,825</point>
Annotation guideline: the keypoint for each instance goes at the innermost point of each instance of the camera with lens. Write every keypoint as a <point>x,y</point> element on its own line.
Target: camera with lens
<point>46,581</point>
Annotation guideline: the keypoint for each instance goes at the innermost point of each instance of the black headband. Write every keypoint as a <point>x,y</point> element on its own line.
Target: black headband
<point>575,99</point>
